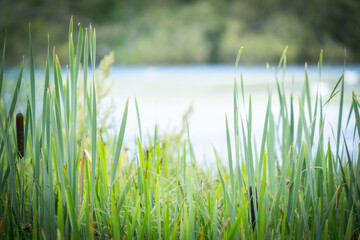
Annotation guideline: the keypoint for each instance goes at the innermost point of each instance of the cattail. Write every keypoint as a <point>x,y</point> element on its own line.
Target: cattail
<point>253,219</point>
<point>20,134</point>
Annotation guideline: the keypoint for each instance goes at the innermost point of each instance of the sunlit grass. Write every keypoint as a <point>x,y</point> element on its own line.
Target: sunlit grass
<point>60,182</point>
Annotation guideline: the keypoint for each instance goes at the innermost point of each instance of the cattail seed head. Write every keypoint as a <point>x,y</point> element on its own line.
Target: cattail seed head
<point>20,134</point>
<point>252,206</point>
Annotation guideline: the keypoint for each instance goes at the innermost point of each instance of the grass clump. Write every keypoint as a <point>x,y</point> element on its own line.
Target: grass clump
<point>65,183</point>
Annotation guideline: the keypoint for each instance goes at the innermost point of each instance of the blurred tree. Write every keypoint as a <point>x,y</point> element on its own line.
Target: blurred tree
<point>308,24</point>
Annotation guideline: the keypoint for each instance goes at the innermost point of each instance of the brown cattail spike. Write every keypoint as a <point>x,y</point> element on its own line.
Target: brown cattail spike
<point>20,134</point>
<point>252,206</point>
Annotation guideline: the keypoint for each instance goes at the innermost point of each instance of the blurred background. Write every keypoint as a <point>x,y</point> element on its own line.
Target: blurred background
<point>190,31</point>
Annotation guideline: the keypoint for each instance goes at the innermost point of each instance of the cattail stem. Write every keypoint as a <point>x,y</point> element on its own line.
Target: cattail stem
<point>20,134</point>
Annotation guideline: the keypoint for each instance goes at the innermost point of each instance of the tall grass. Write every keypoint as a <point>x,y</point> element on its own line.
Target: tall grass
<point>65,183</point>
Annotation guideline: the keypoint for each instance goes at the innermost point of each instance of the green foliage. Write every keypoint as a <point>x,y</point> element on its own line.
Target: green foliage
<point>156,32</point>
<point>297,185</point>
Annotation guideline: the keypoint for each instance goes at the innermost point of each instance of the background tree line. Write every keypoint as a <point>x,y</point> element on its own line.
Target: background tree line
<point>189,31</point>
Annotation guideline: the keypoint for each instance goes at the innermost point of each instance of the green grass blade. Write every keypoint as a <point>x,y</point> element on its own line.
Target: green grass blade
<point>231,168</point>
<point>320,64</point>
<point>340,117</point>
<point>46,87</point>
<point>138,119</point>
<point>307,91</point>
<point>348,233</point>
<point>119,143</point>
<point>32,82</point>
<point>85,66</point>
<point>238,59</point>
<point>93,142</point>
<point>10,158</point>
<point>123,195</point>
<point>333,93</point>
<point>264,134</point>
<point>15,97</point>
<point>281,60</point>
<point>134,218</point>
<point>72,214</point>
<point>2,66</point>
<point>235,227</point>
<point>60,221</point>
<point>356,105</point>
<point>79,49</point>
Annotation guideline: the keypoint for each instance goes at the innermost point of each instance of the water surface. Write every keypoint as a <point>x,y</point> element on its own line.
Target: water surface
<point>165,93</point>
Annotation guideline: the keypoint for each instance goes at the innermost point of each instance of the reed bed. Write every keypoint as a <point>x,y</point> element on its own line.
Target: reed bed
<point>57,182</point>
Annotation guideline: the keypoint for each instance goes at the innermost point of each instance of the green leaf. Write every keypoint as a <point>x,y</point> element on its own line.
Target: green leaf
<point>72,213</point>
<point>356,113</point>
<point>32,83</point>
<point>93,142</point>
<point>2,66</point>
<point>60,221</point>
<point>15,97</point>
<point>238,58</point>
<point>333,93</point>
<point>119,143</point>
<point>235,227</point>
<point>281,60</point>
<point>138,119</point>
<point>134,218</point>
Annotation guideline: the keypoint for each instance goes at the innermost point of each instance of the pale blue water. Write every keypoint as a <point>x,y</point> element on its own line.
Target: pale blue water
<point>226,73</point>
<point>165,93</point>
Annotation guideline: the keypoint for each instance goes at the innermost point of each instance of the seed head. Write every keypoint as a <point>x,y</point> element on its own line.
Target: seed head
<point>20,134</point>
<point>252,207</point>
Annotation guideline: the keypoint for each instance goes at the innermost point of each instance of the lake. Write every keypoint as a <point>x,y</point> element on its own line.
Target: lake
<point>165,93</point>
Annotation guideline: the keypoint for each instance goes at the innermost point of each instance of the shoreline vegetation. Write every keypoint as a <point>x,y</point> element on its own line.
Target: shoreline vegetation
<point>60,179</point>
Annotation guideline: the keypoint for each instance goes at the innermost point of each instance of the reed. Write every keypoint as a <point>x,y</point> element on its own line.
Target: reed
<point>73,184</point>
